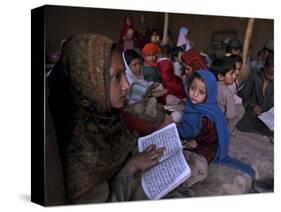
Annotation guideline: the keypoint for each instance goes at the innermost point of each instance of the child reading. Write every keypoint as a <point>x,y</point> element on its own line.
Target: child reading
<point>257,95</point>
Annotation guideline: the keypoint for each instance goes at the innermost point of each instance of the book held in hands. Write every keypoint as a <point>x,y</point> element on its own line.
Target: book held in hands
<point>172,169</point>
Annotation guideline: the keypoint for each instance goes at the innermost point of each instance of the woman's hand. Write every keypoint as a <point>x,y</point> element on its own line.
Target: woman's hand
<point>189,144</point>
<point>148,158</point>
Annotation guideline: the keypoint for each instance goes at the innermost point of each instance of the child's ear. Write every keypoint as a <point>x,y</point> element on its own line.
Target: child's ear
<point>220,77</point>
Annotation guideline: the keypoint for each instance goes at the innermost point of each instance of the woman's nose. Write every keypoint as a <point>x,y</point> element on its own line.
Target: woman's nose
<point>125,83</point>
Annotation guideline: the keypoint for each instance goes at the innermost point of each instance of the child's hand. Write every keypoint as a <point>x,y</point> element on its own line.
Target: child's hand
<point>190,144</point>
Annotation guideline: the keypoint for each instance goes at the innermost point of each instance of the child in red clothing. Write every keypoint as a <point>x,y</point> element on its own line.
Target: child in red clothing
<point>171,82</point>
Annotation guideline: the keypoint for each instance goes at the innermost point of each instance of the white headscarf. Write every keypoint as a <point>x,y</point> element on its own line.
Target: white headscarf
<point>130,74</point>
<point>182,38</point>
<point>132,78</point>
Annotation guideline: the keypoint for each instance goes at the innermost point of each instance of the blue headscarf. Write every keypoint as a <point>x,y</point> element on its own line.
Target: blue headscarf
<point>191,124</point>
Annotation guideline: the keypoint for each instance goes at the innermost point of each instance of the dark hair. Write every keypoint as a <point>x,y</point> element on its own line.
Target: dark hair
<point>175,51</point>
<point>196,76</point>
<point>131,54</point>
<point>269,61</point>
<point>193,76</point>
<point>165,50</point>
<point>154,30</point>
<point>222,66</point>
<point>236,58</point>
<point>116,47</point>
<point>233,44</point>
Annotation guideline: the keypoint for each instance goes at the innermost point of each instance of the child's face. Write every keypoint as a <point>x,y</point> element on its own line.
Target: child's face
<point>187,69</point>
<point>237,71</point>
<point>151,58</point>
<point>197,91</point>
<point>136,65</point>
<point>228,78</point>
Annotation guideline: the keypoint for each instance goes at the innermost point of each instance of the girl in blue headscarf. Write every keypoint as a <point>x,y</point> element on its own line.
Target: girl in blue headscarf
<point>204,127</point>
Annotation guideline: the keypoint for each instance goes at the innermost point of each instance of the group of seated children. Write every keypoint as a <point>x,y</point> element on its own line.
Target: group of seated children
<point>217,101</point>
<point>156,81</point>
<point>161,75</point>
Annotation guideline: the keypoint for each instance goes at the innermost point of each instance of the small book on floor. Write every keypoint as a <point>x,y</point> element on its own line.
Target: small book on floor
<point>268,118</point>
<point>172,169</point>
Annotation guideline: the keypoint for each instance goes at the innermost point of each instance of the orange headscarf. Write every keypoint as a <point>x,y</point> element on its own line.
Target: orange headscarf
<point>150,49</point>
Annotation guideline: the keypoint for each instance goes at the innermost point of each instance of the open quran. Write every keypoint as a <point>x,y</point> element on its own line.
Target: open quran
<point>172,169</point>
<point>268,118</point>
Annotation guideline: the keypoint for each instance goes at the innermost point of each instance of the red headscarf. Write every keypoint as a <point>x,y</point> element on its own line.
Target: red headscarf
<point>194,60</point>
<point>124,30</point>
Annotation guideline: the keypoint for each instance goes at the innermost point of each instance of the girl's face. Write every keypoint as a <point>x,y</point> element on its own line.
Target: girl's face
<point>187,69</point>
<point>237,70</point>
<point>119,85</point>
<point>197,91</point>
<point>136,65</point>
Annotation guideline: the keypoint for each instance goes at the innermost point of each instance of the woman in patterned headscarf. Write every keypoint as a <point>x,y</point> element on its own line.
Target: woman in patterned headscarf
<point>99,161</point>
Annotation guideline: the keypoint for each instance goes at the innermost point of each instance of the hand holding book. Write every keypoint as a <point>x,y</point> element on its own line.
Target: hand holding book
<point>144,160</point>
<point>172,169</point>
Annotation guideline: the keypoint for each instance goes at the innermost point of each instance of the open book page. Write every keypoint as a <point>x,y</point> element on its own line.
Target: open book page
<point>268,118</point>
<point>165,176</point>
<point>167,137</point>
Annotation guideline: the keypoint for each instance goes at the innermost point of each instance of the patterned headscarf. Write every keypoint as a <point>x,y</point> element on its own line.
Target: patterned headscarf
<point>100,143</point>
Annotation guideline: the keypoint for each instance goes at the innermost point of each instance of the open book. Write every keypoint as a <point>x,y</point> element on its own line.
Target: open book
<point>172,169</point>
<point>268,118</point>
